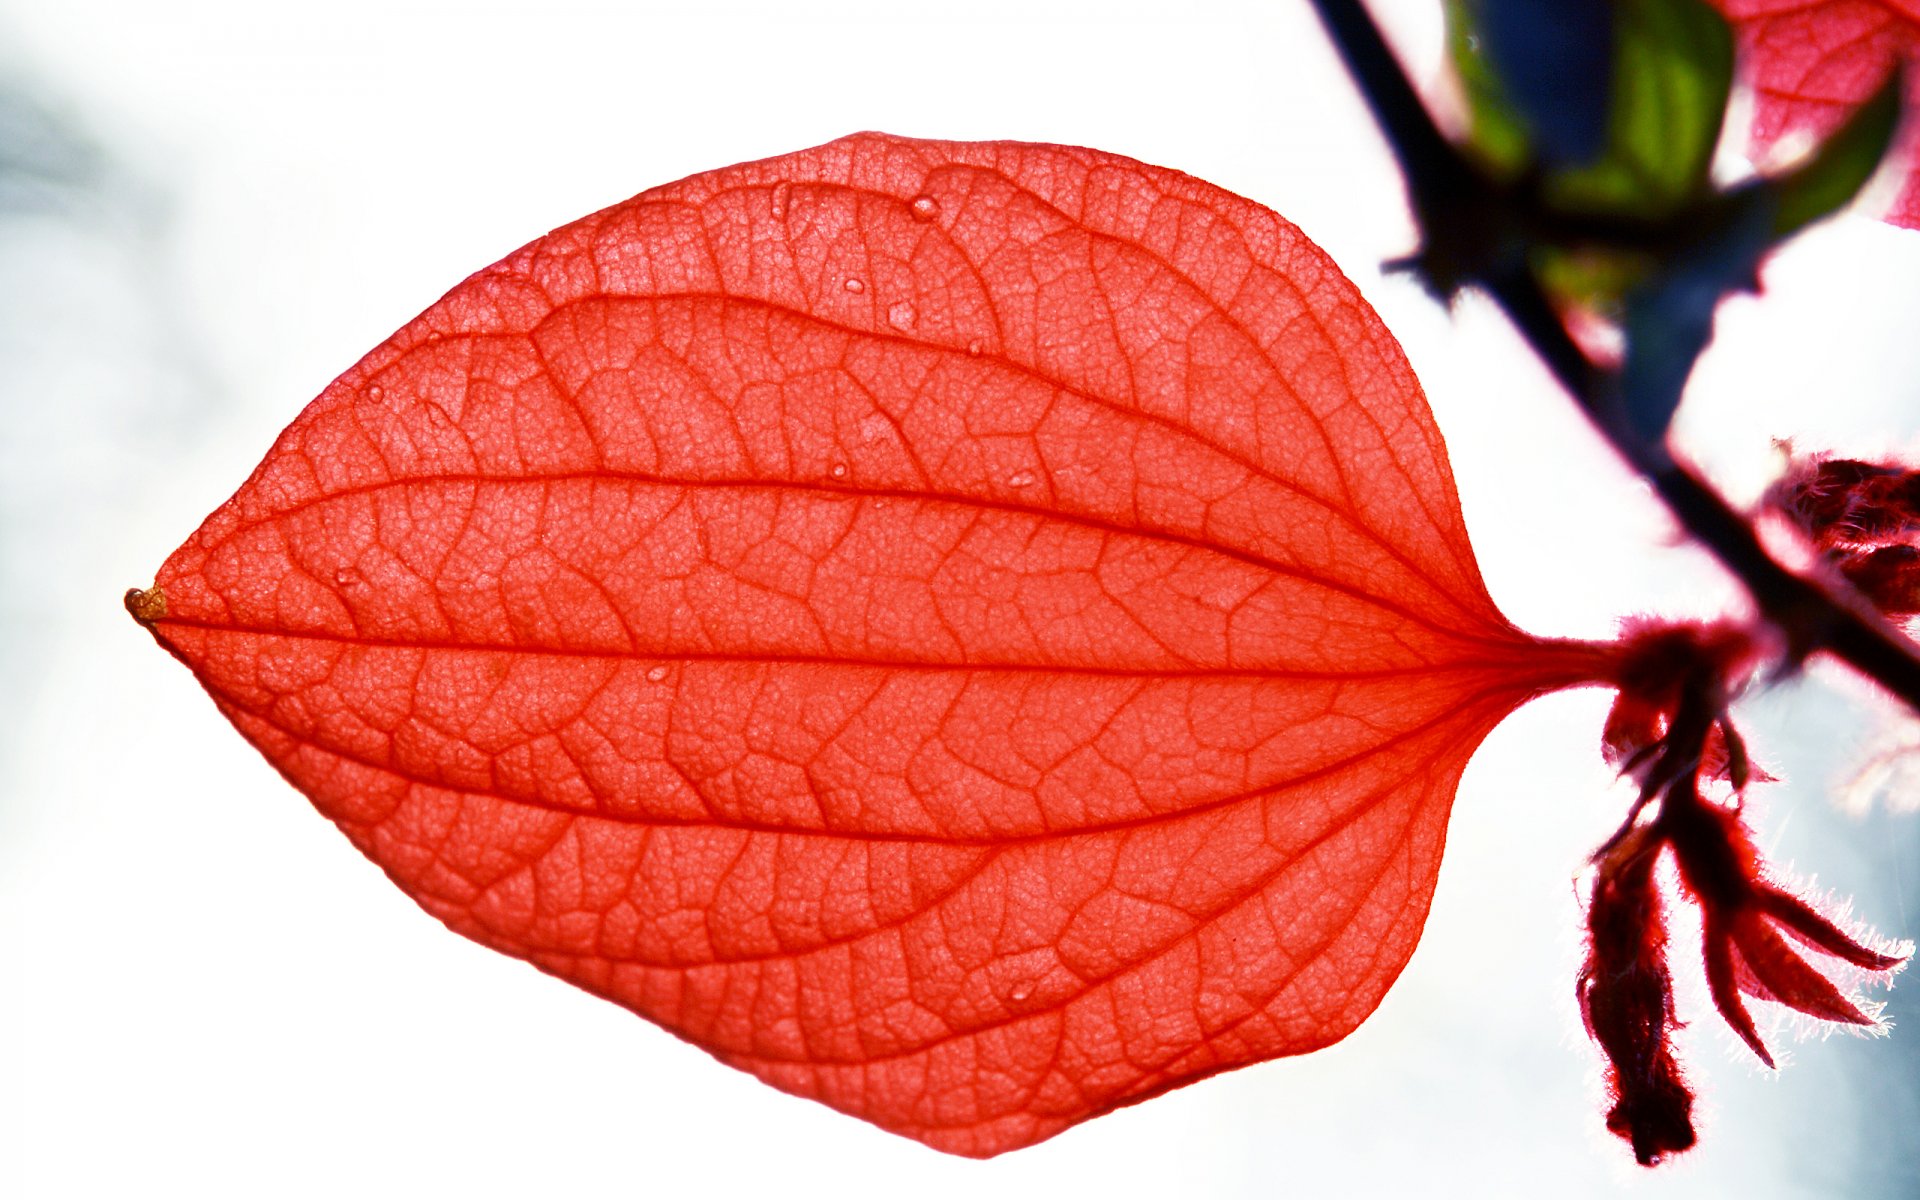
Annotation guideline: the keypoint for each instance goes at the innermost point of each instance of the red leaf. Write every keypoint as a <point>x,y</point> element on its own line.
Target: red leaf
<point>1812,62</point>
<point>976,635</point>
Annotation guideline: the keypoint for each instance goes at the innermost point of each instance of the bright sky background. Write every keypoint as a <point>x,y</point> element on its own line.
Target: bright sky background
<point>208,210</point>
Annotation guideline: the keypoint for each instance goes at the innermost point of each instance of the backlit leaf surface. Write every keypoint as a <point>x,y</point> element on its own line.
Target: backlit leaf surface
<point>1812,62</point>
<point>974,634</point>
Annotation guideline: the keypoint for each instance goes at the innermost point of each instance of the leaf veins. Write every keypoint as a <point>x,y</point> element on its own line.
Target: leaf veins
<point>973,634</point>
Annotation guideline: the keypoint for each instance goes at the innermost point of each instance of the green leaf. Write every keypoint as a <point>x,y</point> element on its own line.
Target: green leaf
<point>1495,133</point>
<point>1591,278</point>
<point>1537,77</point>
<point>1673,70</point>
<point>1829,178</point>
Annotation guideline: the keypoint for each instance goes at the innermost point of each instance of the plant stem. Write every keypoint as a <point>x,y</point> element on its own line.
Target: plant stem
<point>1449,193</point>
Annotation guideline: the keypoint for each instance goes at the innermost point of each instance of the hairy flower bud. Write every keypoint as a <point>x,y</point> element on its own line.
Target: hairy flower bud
<point>1626,1001</point>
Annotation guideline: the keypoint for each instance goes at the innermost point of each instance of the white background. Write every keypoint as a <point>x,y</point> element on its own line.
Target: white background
<point>207,210</point>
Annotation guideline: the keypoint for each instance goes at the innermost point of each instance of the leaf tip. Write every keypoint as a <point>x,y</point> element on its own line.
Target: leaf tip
<point>147,606</point>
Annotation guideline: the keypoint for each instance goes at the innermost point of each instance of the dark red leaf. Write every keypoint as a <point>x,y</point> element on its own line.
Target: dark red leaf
<point>1670,730</point>
<point>976,635</point>
<point>1864,518</point>
<point>1812,62</point>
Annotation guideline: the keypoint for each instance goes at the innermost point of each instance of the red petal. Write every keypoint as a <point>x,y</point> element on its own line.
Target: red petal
<point>973,634</point>
<point>1812,63</point>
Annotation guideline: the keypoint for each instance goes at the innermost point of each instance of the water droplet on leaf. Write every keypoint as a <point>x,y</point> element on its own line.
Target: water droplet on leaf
<point>925,208</point>
<point>855,286</point>
<point>780,191</point>
<point>657,674</point>
<point>901,315</point>
<point>1023,479</point>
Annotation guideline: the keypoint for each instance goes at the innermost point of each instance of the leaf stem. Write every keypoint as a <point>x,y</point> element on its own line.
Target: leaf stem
<point>1449,193</point>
